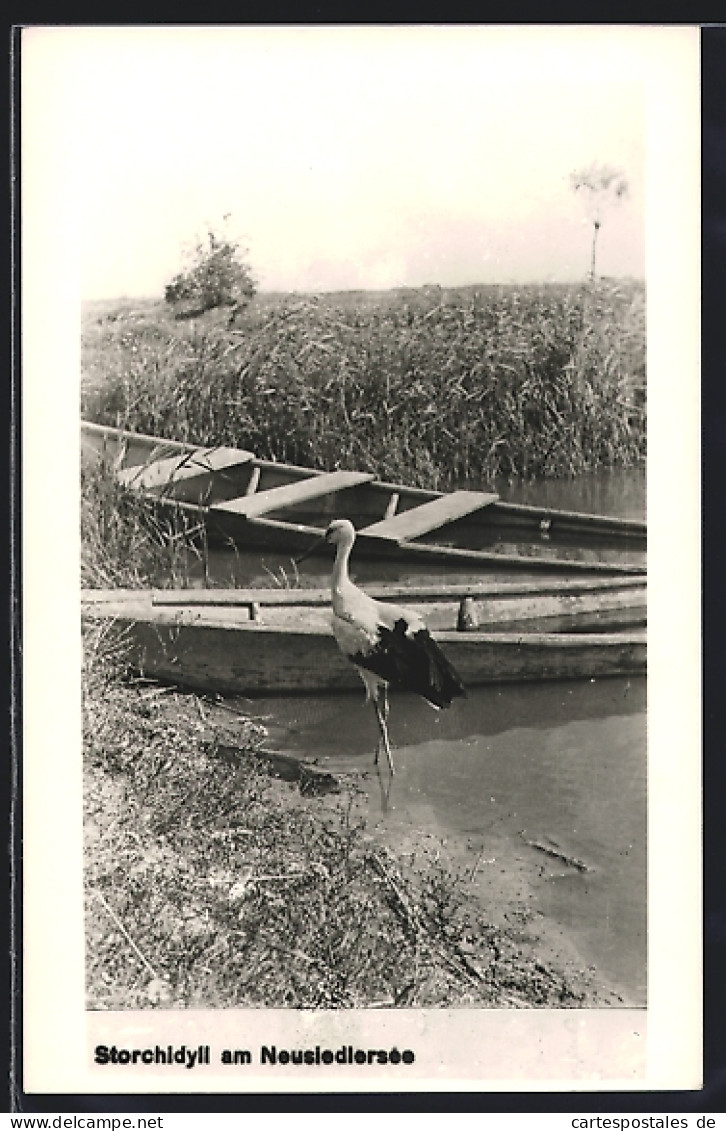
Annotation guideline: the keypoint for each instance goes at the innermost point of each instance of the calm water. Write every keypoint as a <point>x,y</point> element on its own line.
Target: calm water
<point>562,764</point>
<point>618,493</point>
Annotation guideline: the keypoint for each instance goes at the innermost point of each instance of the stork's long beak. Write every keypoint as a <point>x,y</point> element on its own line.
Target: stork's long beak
<point>310,550</point>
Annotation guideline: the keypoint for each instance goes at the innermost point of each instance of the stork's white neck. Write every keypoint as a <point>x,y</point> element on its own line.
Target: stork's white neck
<point>340,567</point>
<point>341,580</point>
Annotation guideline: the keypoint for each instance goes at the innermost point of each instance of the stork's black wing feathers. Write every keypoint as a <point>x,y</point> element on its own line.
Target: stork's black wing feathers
<point>412,661</point>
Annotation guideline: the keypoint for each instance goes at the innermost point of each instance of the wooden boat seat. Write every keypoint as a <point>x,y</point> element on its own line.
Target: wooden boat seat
<point>429,516</point>
<point>303,490</point>
<point>164,474</point>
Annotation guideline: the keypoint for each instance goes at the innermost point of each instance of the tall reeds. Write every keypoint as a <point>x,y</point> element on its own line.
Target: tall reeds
<point>433,387</point>
<point>124,544</point>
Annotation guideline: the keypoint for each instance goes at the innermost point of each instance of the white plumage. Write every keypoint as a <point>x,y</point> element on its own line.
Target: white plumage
<point>388,644</point>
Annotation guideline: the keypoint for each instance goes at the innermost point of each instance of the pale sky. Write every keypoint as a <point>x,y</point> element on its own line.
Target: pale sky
<point>348,157</point>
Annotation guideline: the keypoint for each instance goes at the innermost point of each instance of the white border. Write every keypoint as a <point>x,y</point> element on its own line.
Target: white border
<point>604,1048</point>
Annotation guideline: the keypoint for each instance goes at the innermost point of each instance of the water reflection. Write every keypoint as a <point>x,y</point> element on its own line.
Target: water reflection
<point>620,492</point>
<point>559,764</point>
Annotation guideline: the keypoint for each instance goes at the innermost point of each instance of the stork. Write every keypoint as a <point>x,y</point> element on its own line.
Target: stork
<point>388,645</point>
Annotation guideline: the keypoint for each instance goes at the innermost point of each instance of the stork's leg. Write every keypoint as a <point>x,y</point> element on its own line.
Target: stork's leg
<point>381,705</point>
<point>386,787</point>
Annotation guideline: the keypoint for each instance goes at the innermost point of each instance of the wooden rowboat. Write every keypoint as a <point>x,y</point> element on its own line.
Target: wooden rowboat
<point>259,504</point>
<point>259,642</point>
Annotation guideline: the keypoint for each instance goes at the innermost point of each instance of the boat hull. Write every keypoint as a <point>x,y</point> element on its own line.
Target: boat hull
<point>221,650</point>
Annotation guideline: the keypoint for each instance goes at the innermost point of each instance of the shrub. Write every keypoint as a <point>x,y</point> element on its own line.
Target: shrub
<point>216,276</point>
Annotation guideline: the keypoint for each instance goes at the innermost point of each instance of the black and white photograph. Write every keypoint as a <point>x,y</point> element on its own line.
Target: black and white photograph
<point>362,645</point>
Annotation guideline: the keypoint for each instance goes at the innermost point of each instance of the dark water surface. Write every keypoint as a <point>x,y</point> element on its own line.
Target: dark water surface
<point>562,765</point>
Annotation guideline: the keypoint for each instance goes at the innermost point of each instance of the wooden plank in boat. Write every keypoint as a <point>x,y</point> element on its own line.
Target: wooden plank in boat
<point>430,516</point>
<point>165,473</point>
<point>277,498</point>
<point>627,589</point>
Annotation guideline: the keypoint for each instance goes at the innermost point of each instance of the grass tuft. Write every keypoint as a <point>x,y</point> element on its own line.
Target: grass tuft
<point>125,544</point>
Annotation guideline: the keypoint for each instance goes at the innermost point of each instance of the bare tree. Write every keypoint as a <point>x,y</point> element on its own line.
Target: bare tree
<point>600,187</point>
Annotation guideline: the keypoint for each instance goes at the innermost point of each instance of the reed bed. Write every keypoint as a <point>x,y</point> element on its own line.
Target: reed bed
<point>434,387</point>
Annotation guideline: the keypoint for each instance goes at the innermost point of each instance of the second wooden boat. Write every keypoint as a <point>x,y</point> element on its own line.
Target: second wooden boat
<point>260,642</point>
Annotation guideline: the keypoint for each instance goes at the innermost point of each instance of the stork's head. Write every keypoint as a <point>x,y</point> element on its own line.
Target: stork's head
<point>340,532</point>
